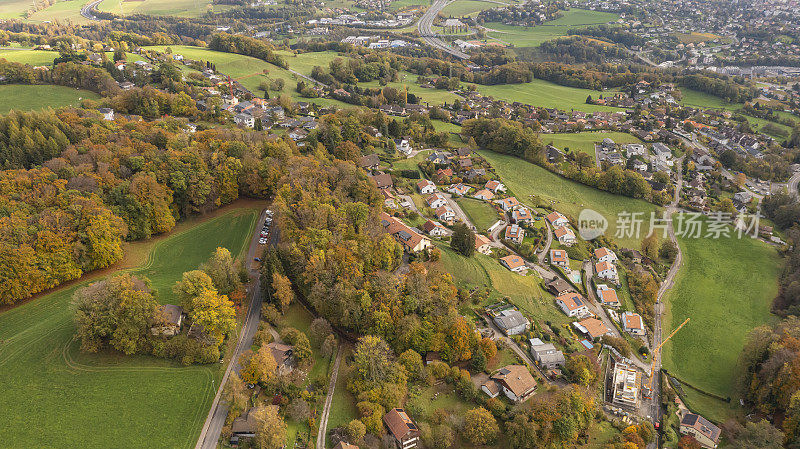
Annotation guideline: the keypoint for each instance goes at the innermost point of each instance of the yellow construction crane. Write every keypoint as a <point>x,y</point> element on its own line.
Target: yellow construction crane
<point>648,386</point>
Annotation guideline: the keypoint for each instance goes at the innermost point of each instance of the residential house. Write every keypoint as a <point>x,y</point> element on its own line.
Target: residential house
<point>515,381</point>
<point>607,296</point>
<point>508,204</point>
<point>383,180</point>
<point>521,215</point>
<point>558,286</point>
<point>108,113</point>
<point>632,323</point>
<point>513,263</point>
<point>742,197</point>
<point>556,219</point>
<point>514,233</point>
<point>565,235</point>
<point>559,258</point>
<point>404,431</point>
<point>244,426</point>
<point>434,229</point>
<point>706,433</point>
<point>572,304</point>
<point>606,270</point>
<point>172,319</point>
<point>411,240</point>
<point>298,134</point>
<point>245,120</point>
<point>483,244</point>
<point>443,174</point>
<point>445,213</point>
<point>426,187</point>
<point>546,355</point>
<point>459,189</point>
<point>283,356</point>
<point>370,162</point>
<point>403,146</point>
<point>484,194</point>
<point>436,201</point>
<point>662,151</point>
<point>495,186</point>
<point>512,322</point>
<point>605,255</point>
<point>591,327</point>
<point>344,445</point>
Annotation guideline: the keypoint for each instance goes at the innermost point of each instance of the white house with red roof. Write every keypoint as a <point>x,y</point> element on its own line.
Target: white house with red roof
<point>632,323</point>
<point>565,235</point>
<point>435,229</point>
<point>606,270</point>
<point>515,233</point>
<point>559,258</point>
<point>605,255</point>
<point>607,296</point>
<point>426,187</point>
<point>483,244</point>
<point>484,194</point>
<point>495,186</point>
<point>436,200</point>
<point>445,213</point>
<point>572,304</point>
<point>556,219</point>
<point>521,215</point>
<point>459,189</point>
<point>508,204</point>
<point>513,263</point>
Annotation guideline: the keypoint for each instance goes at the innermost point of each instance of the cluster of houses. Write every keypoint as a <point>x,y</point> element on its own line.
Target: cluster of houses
<point>561,228</point>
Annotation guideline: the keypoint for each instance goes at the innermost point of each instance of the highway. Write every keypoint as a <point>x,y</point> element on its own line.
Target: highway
<point>212,427</point>
<point>87,10</point>
<point>425,24</point>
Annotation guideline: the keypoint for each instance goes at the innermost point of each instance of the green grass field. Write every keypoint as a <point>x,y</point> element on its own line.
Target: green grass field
<point>409,80</point>
<point>725,286</point>
<point>34,97</point>
<point>546,94</point>
<point>62,11</point>
<point>525,179</point>
<point>585,141</point>
<point>180,8</point>
<point>461,8</point>
<point>56,396</point>
<point>31,57</point>
<point>699,99</point>
<point>534,36</point>
<point>480,213</point>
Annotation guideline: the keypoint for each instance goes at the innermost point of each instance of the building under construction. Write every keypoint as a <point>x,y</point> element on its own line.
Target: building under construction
<point>627,382</point>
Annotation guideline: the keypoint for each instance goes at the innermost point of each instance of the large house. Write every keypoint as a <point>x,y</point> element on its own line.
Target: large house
<point>706,433</point>
<point>572,304</point>
<point>513,263</point>
<point>515,381</point>
<point>632,323</point>
<point>592,327</point>
<point>512,322</point>
<point>606,270</point>
<point>426,187</point>
<point>483,244</point>
<point>383,180</point>
<point>403,146</point>
<point>521,215</point>
<point>514,233</point>
<point>559,258</point>
<point>508,204</point>
<point>605,255</point>
<point>556,219</point>
<point>607,296</point>
<point>546,355</point>
<point>445,213</point>
<point>404,431</point>
<point>565,235</point>
<point>495,186</point>
<point>411,240</point>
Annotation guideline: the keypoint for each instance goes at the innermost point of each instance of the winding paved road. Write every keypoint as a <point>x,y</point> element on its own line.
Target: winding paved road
<point>425,24</point>
<point>87,10</point>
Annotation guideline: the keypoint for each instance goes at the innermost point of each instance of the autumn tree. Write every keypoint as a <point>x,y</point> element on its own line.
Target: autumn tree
<point>650,246</point>
<point>581,370</point>
<point>355,430</point>
<point>259,366</point>
<point>235,395</point>
<point>283,290</point>
<point>270,428</point>
<point>215,313</point>
<point>221,268</point>
<point>480,427</point>
<point>192,284</point>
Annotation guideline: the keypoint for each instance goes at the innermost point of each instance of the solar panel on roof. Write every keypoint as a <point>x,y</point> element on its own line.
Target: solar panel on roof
<point>504,371</point>
<point>578,301</point>
<point>411,426</point>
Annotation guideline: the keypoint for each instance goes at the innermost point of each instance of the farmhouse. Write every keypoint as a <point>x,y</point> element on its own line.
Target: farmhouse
<point>632,323</point>
<point>559,258</point>
<point>512,322</point>
<point>426,187</point>
<point>605,255</point>
<point>407,237</point>
<point>514,233</point>
<point>591,327</point>
<point>404,431</point>
<point>572,304</point>
<point>565,235</point>
<point>557,220</point>
<point>701,429</point>
<point>483,244</point>
<point>515,381</point>
<point>546,355</point>
<point>508,204</point>
<point>513,263</point>
<point>608,296</point>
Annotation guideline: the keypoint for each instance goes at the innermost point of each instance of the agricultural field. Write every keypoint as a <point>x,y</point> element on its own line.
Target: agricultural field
<point>758,125</point>
<point>409,80</point>
<point>62,11</point>
<point>14,9</point>
<point>548,95</point>
<point>179,8</point>
<point>137,401</point>
<point>35,97</point>
<point>585,141</point>
<point>461,8</point>
<point>534,36</point>
<point>696,38</point>
<point>726,287</point>
<point>527,180</point>
<point>482,271</point>
<point>28,56</point>
<point>703,100</point>
<point>479,212</point>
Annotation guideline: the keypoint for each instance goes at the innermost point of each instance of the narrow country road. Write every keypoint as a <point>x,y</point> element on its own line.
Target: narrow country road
<point>457,209</point>
<point>307,78</point>
<point>323,420</point>
<point>546,249</point>
<point>209,435</point>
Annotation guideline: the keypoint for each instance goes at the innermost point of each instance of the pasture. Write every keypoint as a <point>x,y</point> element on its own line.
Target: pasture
<point>548,95</point>
<point>527,181</point>
<point>25,97</point>
<point>461,8</point>
<point>30,57</point>
<point>179,8</point>
<point>703,100</point>
<point>726,287</point>
<point>107,399</point>
<point>585,141</point>
<point>533,36</point>
<point>479,212</point>
<point>62,11</point>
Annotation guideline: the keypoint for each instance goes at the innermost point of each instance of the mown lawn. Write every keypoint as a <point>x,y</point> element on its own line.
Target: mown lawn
<point>525,180</point>
<point>56,396</point>
<point>725,286</point>
<point>343,407</point>
<point>480,213</point>
<point>461,8</point>
<point>548,95</point>
<point>585,141</point>
<point>534,36</point>
<point>35,97</point>
<point>703,100</point>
